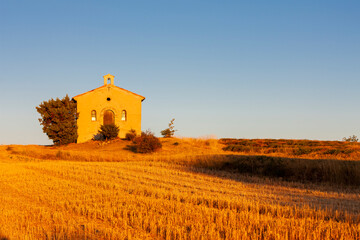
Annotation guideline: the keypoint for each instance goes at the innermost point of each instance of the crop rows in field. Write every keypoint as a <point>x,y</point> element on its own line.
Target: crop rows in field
<point>160,200</point>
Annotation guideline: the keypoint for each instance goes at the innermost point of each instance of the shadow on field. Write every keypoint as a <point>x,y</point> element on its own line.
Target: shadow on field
<point>337,172</point>
<point>2,237</point>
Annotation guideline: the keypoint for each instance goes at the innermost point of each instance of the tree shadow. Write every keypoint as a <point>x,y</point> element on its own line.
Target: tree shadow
<point>328,171</point>
<point>329,185</point>
<point>131,148</point>
<point>3,237</point>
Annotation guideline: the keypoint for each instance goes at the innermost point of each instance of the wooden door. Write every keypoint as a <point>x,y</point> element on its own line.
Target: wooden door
<point>109,117</point>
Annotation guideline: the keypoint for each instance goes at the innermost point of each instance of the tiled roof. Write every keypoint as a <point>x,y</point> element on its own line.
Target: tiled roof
<point>106,86</point>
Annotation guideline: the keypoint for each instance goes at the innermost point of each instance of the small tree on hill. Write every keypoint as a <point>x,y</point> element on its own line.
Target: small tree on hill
<point>58,118</point>
<point>130,135</point>
<point>169,132</point>
<point>352,138</point>
<point>109,131</point>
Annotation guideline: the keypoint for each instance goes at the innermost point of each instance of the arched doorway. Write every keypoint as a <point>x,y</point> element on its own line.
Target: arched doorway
<point>109,117</point>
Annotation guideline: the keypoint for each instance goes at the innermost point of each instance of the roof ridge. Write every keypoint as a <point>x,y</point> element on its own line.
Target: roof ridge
<point>79,95</point>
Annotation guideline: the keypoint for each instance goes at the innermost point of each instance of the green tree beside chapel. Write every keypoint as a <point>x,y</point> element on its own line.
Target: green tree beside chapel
<point>58,118</point>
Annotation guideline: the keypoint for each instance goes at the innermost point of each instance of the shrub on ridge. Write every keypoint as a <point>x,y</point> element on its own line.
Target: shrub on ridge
<point>146,143</point>
<point>109,131</point>
<point>130,135</point>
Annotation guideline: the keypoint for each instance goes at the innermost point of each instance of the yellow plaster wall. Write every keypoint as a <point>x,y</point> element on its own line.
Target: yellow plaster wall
<point>97,100</point>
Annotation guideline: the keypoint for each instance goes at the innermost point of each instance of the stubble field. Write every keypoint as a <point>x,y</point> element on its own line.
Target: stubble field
<point>97,191</point>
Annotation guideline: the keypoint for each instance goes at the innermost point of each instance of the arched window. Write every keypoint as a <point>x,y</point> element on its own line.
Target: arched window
<point>123,115</point>
<point>93,115</point>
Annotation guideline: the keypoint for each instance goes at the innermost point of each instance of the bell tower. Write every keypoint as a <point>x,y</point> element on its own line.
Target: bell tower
<point>108,79</point>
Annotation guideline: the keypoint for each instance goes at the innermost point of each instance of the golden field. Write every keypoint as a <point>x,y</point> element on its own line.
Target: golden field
<point>190,189</point>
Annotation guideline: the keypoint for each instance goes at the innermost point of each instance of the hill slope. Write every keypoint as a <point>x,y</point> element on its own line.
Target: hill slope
<point>56,193</point>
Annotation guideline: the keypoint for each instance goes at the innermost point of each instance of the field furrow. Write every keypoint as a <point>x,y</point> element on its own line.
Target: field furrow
<point>160,200</point>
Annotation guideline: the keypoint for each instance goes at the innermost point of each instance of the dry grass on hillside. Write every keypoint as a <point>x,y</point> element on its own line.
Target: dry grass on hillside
<point>310,149</point>
<point>118,150</point>
<point>93,191</point>
<point>209,153</point>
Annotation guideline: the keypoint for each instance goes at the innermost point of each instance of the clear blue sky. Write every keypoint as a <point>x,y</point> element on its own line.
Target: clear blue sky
<point>254,69</point>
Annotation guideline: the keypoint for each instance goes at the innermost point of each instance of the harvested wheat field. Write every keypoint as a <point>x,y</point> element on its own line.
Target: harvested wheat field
<point>191,189</point>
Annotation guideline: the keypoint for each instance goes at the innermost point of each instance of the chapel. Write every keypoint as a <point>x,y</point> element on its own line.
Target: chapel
<point>106,105</point>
